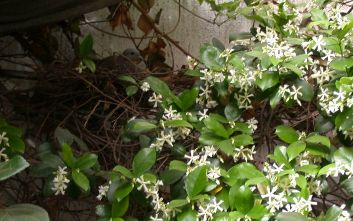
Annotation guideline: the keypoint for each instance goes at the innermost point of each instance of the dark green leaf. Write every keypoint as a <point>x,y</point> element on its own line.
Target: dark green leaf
<point>306,90</point>
<point>131,90</point>
<point>67,155</point>
<point>120,208</point>
<point>333,213</point>
<point>267,81</point>
<point>86,161</point>
<point>341,64</point>
<point>216,127</point>
<point>143,161</point>
<point>196,181</point>
<point>86,46</point>
<point>123,191</point>
<point>210,57</point>
<point>187,215</point>
<point>232,112</point>
<point>159,87</point>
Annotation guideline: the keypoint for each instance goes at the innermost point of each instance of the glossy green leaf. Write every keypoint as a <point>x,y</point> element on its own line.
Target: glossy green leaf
<point>216,127</point>
<point>210,57</point>
<point>232,112</point>
<point>159,87</point>
<point>89,63</point>
<point>123,191</point>
<point>86,46</point>
<point>10,168</point>
<point>177,123</point>
<point>67,155</point>
<point>139,126</point>
<point>127,78</point>
<point>294,149</point>
<point>306,89</point>
<point>80,179</point>
<point>86,161</point>
<point>241,198</point>
<point>341,64</point>
<point>286,134</point>
<point>120,208</point>
<point>196,181</point>
<point>143,161</point>
<point>187,215</point>
<point>333,213</point>
<point>267,80</point>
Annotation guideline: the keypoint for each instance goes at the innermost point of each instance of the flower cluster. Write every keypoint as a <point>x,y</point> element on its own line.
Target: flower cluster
<point>60,181</point>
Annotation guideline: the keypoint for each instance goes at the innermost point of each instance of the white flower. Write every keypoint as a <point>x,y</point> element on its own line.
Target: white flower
<point>210,151</point>
<point>156,99</point>
<point>156,218</point>
<point>203,115</point>
<point>171,114</point>
<point>102,191</point>
<point>214,173</point>
<point>244,153</point>
<point>274,201</point>
<point>252,124</point>
<point>60,181</point>
<point>4,139</point>
<point>318,42</point>
<point>295,92</point>
<point>145,86</point>
<point>192,158</point>
<point>3,155</point>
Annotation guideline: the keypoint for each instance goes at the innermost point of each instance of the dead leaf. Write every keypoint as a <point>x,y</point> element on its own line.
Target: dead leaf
<point>145,24</point>
<point>160,43</point>
<point>121,17</point>
<point>146,4</point>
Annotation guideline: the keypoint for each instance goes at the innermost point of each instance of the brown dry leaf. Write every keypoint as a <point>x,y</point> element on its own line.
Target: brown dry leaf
<point>146,4</point>
<point>121,17</point>
<point>145,24</point>
<point>161,43</point>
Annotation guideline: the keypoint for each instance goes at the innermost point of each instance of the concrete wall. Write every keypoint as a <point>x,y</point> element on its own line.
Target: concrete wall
<point>190,31</point>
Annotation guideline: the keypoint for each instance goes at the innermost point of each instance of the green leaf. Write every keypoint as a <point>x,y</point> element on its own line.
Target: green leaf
<point>123,171</point>
<point>19,212</point>
<point>216,127</point>
<point>227,147</point>
<point>12,167</point>
<point>280,156</point>
<point>196,181</point>
<point>344,120</point>
<point>89,63</point>
<point>293,68</point>
<point>242,171</point>
<point>275,98</point>
<point>286,134</point>
<point>187,215</point>
<point>143,161</point>
<point>333,213</point>
<point>169,176</point>
<point>210,57</point>
<point>123,191</point>
<point>344,155</point>
<point>139,126</point>
<point>242,140</point>
<point>127,78</point>
<point>306,90</point>
<point>290,216</point>
<point>341,64</point>
<point>333,44</point>
<point>86,46</point>
<point>63,136</point>
<point>80,179</point>
<point>194,73</point>
<point>187,98</point>
<point>347,28</point>
<point>232,112</point>
<point>178,165</point>
<point>268,80</point>
<point>318,139</point>
<point>257,212</point>
<point>238,36</point>
<point>218,44</point>
<point>294,149</point>
<point>241,198</point>
<point>86,161</point>
<point>160,87</point>
<point>131,90</point>
<point>177,123</point>
<point>120,208</point>
<point>324,170</point>
<point>67,155</point>
<point>347,185</point>
<point>177,203</point>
